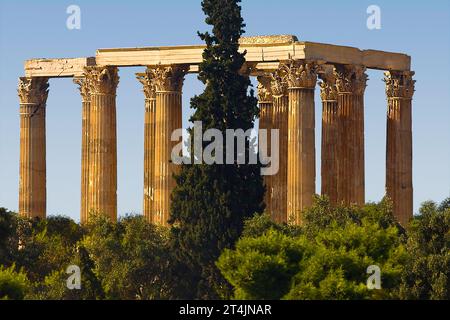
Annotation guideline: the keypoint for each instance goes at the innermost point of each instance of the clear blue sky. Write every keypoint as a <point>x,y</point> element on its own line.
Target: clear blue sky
<point>37,29</point>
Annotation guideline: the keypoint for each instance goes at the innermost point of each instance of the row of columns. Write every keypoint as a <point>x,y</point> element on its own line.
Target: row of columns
<point>288,94</point>
<point>286,99</point>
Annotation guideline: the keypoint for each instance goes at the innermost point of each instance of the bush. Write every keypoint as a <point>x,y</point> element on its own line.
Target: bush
<point>326,259</point>
<point>13,285</point>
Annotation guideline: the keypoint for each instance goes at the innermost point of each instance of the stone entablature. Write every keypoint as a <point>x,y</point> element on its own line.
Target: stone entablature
<point>265,52</point>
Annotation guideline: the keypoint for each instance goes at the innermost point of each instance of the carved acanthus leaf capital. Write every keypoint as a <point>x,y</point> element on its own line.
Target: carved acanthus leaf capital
<point>300,74</point>
<point>148,84</point>
<point>328,90</point>
<point>278,83</point>
<point>102,80</point>
<point>168,78</point>
<point>33,90</point>
<point>350,79</point>
<point>399,84</point>
<point>264,89</point>
<point>83,86</point>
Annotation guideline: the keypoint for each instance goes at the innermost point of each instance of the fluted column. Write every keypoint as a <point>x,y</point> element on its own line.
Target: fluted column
<point>168,85</point>
<point>399,188</point>
<point>350,84</point>
<point>33,94</point>
<point>329,163</point>
<point>265,102</point>
<point>85,116</point>
<point>149,143</point>
<point>102,190</point>
<point>280,122</point>
<point>301,175</point>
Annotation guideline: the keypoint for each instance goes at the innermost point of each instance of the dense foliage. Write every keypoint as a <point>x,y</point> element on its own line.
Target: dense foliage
<point>325,258</point>
<point>328,257</point>
<point>427,273</point>
<point>124,260</point>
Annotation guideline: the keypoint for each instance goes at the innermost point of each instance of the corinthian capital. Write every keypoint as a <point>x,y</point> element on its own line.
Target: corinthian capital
<point>350,79</point>
<point>328,90</point>
<point>148,83</point>
<point>168,78</point>
<point>278,84</point>
<point>33,90</point>
<point>264,89</point>
<point>300,74</point>
<point>399,84</point>
<point>83,86</point>
<point>102,80</point>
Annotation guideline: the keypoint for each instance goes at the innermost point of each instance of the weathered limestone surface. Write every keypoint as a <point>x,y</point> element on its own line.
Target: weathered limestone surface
<point>280,122</point>
<point>57,68</point>
<point>102,195</point>
<point>85,123</point>
<point>329,150</point>
<point>399,188</point>
<point>33,94</point>
<point>266,114</point>
<point>259,49</point>
<point>350,85</point>
<point>168,85</point>
<point>301,174</point>
<point>149,89</point>
<point>334,54</point>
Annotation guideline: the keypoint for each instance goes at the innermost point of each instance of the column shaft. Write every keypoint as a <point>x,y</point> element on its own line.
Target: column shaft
<point>85,124</point>
<point>149,158</point>
<point>168,118</point>
<point>350,84</point>
<point>280,122</point>
<point>301,175</point>
<point>33,94</point>
<point>329,150</point>
<point>102,195</point>
<point>330,140</point>
<point>168,84</point>
<point>266,114</point>
<point>149,88</point>
<point>265,123</point>
<point>399,188</point>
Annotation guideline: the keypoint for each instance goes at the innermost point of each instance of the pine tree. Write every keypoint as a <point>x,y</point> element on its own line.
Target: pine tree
<point>211,202</point>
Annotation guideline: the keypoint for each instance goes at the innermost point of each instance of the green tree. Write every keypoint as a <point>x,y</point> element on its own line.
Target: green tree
<point>46,245</point>
<point>427,273</point>
<point>54,285</point>
<point>129,257</point>
<point>326,258</point>
<point>8,225</point>
<point>13,285</point>
<point>210,202</point>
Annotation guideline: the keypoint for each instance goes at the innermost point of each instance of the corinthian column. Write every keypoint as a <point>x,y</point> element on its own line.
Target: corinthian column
<point>301,175</point>
<point>149,143</point>
<point>280,122</point>
<point>33,94</point>
<point>102,189</point>
<point>399,92</point>
<point>85,116</point>
<point>168,84</point>
<point>350,84</point>
<point>265,102</point>
<point>329,163</point>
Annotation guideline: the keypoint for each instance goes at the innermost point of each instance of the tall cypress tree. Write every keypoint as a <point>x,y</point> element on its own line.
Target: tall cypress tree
<point>210,202</point>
